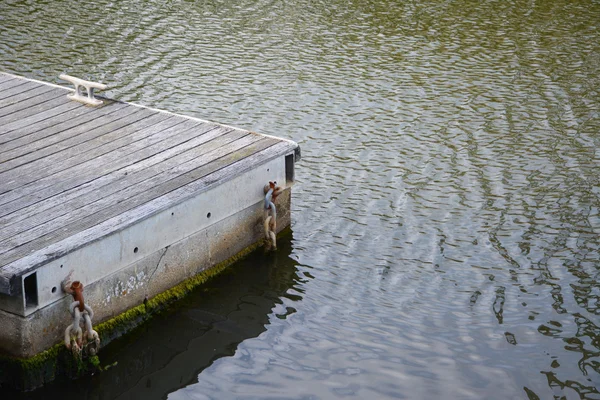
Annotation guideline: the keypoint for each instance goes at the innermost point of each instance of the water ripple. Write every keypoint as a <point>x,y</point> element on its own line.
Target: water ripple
<point>445,212</point>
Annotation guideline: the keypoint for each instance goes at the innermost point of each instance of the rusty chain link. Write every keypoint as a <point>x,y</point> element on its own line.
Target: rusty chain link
<point>77,340</point>
<point>270,219</point>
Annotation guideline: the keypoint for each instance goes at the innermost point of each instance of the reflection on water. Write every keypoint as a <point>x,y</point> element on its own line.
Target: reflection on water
<point>446,208</point>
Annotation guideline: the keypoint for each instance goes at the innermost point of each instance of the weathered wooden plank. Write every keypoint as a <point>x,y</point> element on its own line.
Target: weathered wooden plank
<point>37,171</point>
<point>24,89</point>
<point>116,181</point>
<point>77,149</point>
<point>35,118</point>
<point>12,252</point>
<point>91,169</point>
<point>131,191</point>
<point>163,158</point>
<point>32,258</point>
<point>33,95</point>
<point>81,132</point>
<point>52,195</point>
<point>9,84</point>
<point>53,125</point>
<point>80,143</point>
<point>5,77</point>
<point>73,161</point>
<point>31,109</point>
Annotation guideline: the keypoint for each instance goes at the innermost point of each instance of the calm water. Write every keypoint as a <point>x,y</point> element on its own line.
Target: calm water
<point>445,220</point>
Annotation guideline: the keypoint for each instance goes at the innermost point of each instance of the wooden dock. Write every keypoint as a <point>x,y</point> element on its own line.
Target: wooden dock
<point>106,190</point>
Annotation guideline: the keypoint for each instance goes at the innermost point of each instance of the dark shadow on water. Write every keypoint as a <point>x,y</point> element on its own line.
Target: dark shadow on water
<point>169,351</point>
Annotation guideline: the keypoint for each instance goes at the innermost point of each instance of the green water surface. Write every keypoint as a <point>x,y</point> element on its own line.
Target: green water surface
<point>445,215</point>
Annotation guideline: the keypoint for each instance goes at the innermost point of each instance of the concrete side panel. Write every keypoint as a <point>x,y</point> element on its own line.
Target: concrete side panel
<point>99,259</point>
<point>126,288</point>
<point>13,304</point>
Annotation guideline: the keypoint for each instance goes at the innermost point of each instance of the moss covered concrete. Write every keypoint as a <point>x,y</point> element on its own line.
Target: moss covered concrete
<point>58,362</point>
<point>28,373</point>
<point>124,322</point>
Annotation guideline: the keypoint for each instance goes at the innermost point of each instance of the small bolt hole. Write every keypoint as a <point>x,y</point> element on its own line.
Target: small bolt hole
<point>208,215</point>
<point>267,169</point>
<point>61,266</point>
<point>54,289</point>
<point>135,250</point>
<point>172,213</point>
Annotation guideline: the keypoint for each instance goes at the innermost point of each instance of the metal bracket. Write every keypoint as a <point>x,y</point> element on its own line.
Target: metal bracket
<point>89,87</point>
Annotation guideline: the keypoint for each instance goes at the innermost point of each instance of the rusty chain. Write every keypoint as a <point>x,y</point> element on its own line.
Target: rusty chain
<point>80,341</point>
<point>270,219</point>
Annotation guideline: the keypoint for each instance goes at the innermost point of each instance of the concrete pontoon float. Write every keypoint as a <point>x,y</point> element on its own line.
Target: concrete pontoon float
<point>132,201</point>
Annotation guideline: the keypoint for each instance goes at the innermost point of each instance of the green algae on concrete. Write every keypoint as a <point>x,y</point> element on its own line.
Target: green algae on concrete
<point>24,374</point>
<point>126,321</point>
<point>58,362</point>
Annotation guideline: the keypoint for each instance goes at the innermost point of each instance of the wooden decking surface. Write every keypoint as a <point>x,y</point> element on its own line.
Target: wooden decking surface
<point>71,174</point>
